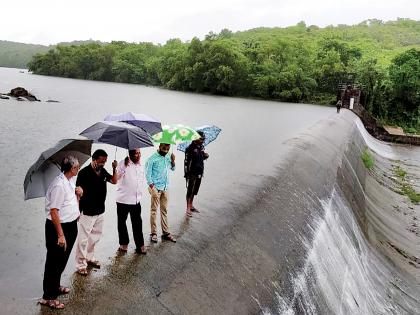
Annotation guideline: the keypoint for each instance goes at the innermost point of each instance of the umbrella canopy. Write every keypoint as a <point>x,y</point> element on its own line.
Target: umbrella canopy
<point>119,134</point>
<point>47,167</point>
<point>174,134</point>
<point>210,133</point>
<point>150,124</point>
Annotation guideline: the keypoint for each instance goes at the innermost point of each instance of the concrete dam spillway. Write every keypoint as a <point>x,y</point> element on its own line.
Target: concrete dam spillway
<point>323,235</point>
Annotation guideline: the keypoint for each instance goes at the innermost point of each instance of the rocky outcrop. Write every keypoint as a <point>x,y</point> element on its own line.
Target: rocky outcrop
<point>20,92</point>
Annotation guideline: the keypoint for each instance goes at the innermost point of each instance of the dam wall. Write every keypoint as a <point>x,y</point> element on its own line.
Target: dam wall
<point>322,235</point>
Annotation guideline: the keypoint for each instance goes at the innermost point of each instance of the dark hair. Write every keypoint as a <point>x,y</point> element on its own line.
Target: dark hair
<point>68,162</point>
<point>98,153</point>
<point>202,135</point>
<point>131,153</point>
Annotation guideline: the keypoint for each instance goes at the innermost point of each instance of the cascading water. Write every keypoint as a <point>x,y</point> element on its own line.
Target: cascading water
<point>344,274</point>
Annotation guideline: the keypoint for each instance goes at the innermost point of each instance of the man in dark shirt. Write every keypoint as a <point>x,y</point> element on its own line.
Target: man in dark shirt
<point>193,170</point>
<point>92,179</point>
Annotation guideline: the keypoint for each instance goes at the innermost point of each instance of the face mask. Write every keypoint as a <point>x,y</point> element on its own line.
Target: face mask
<point>162,153</point>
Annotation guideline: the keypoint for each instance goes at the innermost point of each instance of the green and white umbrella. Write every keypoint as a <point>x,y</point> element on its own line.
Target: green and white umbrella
<point>176,133</point>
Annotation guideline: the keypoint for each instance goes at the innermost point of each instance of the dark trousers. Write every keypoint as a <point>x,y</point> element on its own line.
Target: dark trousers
<point>135,214</point>
<point>57,257</point>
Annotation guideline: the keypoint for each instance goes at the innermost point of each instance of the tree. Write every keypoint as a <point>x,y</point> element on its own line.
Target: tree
<point>404,74</point>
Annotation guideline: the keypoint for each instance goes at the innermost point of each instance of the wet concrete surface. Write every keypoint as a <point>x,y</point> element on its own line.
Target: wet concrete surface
<point>229,264</point>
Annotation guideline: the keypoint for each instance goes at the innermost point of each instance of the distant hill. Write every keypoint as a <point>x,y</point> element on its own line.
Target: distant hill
<point>17,55</point>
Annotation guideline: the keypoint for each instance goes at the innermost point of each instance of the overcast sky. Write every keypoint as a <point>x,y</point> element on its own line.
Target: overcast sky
<point>52,21</point>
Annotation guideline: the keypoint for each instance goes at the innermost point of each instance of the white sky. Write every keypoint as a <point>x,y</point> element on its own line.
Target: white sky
<point>52,21</point>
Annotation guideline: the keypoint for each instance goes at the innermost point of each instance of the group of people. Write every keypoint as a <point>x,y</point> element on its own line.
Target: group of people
<point>76,210</point>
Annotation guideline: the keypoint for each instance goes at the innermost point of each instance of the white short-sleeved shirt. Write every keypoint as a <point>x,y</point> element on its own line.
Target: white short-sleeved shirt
<point>61,195</point>
<point>130,183</point>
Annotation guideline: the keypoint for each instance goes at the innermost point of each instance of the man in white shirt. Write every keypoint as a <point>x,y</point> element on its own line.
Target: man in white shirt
<point>62,211</point>
<point>129,191</point>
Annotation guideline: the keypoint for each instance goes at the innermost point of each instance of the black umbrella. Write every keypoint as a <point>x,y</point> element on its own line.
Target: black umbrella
<point>119,134</point>
<point>47,167</point>
<point>150,124</point>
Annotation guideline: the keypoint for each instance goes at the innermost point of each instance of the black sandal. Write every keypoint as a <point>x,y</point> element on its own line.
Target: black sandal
<point>142,250</point>
<point>168,237</point>
<point>153,238</point>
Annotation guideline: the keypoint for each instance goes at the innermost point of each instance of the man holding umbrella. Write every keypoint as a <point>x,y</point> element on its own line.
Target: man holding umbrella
<point>92,179</point>
<point>194,169</point>
<point>129,192</point>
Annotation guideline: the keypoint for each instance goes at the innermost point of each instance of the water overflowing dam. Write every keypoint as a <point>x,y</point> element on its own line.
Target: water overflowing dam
<point>324,235</point>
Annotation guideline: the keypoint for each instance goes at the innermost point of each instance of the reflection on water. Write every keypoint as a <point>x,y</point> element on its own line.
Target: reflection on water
<point>249,147</point>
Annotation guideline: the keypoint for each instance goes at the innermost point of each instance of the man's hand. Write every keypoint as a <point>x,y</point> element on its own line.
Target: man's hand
<point>114,164</point>
<point>79,191</point>
<point>206,155</point>
<point>62,242</point>
<point>173,158</point>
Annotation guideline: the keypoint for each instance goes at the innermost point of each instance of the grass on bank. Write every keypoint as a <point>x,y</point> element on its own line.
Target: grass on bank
<point>406,188</point>
<point>409,191</point>
<point>398,171</point>
<point>368,159</point>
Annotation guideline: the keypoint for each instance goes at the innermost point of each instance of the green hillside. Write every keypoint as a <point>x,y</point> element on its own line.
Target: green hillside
<point>18,55</point>
<point>294,64</point>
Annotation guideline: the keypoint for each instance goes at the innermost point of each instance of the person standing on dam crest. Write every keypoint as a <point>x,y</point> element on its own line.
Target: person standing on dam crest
<point>157,176</point>
<point>338,105</point>
<point>93,180</point>
<point>194,170</point>
<point>129,192</point>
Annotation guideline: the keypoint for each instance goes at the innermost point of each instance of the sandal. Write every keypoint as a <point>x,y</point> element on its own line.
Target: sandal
<point>94,264</point>
<point>168,237</point>
<point>188,213</point>
<point>142,250</point>
<point>122,249</point>
<point>153,238</point>
<point>54,304</point>
<point>195,210</point>
<point>82,272</point>
<point>63,290</point>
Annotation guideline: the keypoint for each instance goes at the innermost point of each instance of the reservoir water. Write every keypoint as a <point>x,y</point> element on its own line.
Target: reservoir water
<point>247,152</point>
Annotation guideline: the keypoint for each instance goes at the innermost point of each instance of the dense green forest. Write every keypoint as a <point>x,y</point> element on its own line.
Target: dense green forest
<point>294,64</point>
<point>18,55</point>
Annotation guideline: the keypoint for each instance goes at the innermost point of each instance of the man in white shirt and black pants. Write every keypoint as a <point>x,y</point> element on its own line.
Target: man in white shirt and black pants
<point>129,191</point>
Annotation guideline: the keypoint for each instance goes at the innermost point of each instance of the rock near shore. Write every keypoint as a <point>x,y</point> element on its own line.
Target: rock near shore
<point>20,92</point>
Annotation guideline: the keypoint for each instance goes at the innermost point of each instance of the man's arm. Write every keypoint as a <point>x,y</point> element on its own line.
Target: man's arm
<point>55,218</point>
<point>148,167</point>
<point>57,199</point>
<point>187,163</point>
<point>172,162</point>
<point>114,178</point>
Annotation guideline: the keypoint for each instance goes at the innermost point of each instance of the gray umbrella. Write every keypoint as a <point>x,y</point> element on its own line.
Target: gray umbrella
<point>47,167</point>
<point>119,134</point>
